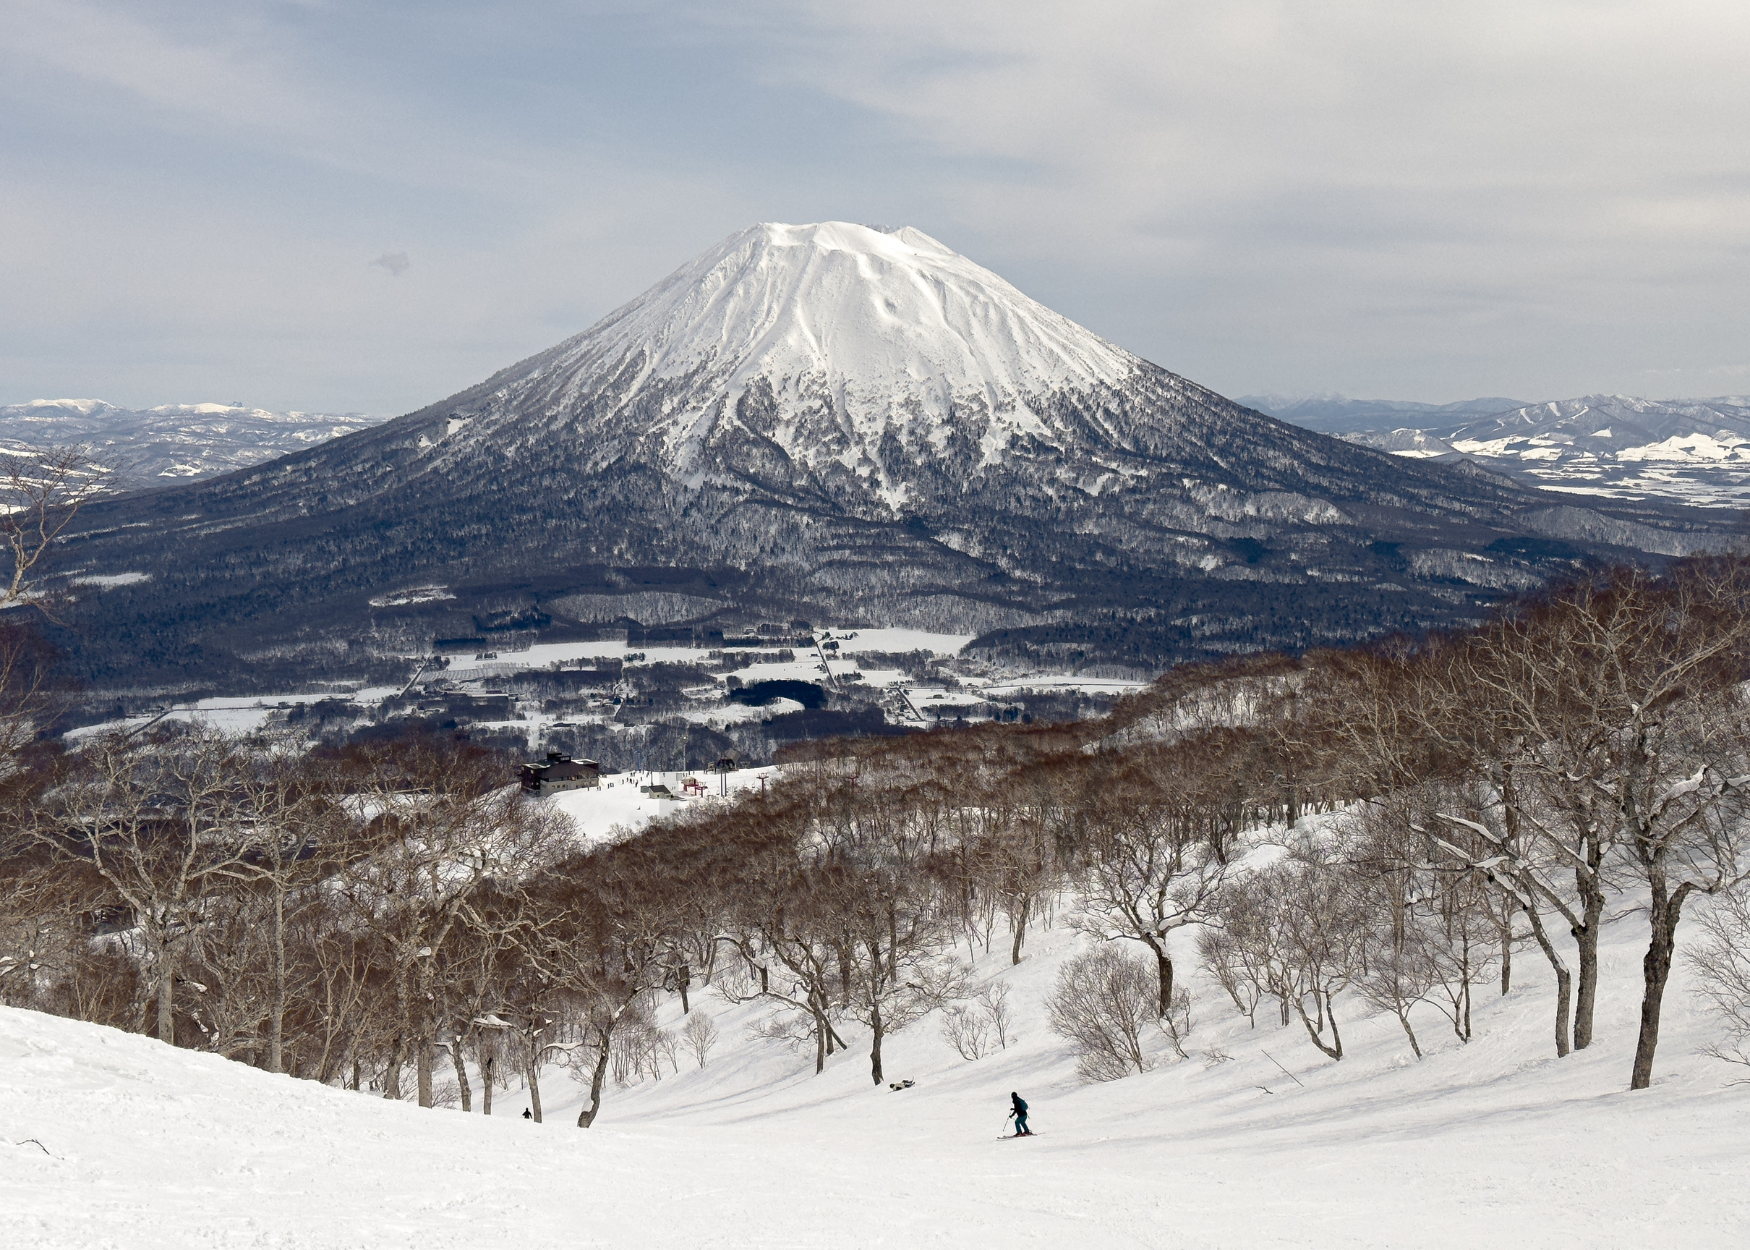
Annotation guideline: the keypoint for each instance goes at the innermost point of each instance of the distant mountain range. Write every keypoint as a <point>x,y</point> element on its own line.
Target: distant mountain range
<point>1337,414</point>
<point>1694,451</point>
<point>173,443</point>
<point>827,421</point>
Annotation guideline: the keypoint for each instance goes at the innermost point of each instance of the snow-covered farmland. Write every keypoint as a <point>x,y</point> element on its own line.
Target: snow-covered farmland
<point>113,1139</point>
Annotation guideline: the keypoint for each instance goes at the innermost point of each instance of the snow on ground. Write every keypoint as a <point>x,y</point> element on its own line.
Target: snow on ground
<point>896,641</point>
<point>924,697</point>
<point>1063,684</point>
<point>805,667</point>
<point>237,714</point>
<point>620,806</point>
<point>114,1140</point>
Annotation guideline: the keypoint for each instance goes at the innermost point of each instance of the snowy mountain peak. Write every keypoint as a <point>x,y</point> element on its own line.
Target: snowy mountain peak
<point>861,303</point>
<point>857,331</point>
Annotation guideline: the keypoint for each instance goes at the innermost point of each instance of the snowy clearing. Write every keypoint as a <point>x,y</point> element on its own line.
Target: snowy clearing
<point>619,803</point>
<point>897,641</point>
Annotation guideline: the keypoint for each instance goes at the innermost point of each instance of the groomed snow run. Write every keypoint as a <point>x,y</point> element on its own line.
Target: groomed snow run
<point>113,1140</point>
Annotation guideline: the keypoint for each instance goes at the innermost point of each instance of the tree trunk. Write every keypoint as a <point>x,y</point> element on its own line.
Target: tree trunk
<point>1664,911</point>
<point>1020,929</point>
<point>1586,936</point>
<point>166,991</point>
<point>461,1074</point>
<point>1404,1019</point>
<point>683,979</point>
<point>392,1074</point>
<point>1164,968</point>
<point>1563,979</point>
<point>535,1078</point>
<point>1507,954</point>
<point>486,1085</point>
<point>276,1023</point>
<point>604,1046</point>
<point>1335,1050</point>
<point>877,1029</point>
<point>422,1065</point>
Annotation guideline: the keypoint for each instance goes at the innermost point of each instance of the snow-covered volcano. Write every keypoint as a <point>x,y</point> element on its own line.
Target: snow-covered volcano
<point>851,341</point>
<point>843,417</point>
<point>857,331</point>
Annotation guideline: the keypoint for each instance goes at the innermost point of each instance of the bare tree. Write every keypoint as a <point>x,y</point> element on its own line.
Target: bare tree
<point>1150,868</point>
<point>898,968</point>
<point>1102,1002</point>
<point>1244,953</point>
<point>438,824</point>
<point>290,833</point>
<point>700,1034</point>
<point>41,491</point>
<point>1602,680</point>
<point>1722,970</point>
<point>1320,936</point>
<point>155,817</point>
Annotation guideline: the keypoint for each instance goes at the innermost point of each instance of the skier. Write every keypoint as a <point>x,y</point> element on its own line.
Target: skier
<point>1020,1114</point>
<point>527,1114</point>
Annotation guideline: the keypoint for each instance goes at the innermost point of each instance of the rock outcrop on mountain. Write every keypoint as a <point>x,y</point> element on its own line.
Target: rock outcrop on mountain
<point>833,421</point>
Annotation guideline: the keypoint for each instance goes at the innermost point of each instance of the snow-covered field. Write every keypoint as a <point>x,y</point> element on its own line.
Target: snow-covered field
<point>113,1140</point>
<point>898,641</point>
<point>235,714</point>
<point>620,806</point>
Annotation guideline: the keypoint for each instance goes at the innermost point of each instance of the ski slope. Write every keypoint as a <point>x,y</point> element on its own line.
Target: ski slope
<point>133,1144</point>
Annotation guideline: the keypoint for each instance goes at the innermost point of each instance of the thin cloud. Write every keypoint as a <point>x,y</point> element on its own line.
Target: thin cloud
<point>395,262</point>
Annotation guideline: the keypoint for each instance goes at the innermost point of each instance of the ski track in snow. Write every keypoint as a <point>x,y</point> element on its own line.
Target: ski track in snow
<point>144,1146</point>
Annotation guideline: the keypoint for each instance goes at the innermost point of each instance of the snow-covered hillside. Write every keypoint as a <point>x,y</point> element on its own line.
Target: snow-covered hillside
<point>109,1139</point>
<point>172,442</point>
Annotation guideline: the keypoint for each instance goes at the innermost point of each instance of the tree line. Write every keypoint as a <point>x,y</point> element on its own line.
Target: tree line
<point>1382,829</point>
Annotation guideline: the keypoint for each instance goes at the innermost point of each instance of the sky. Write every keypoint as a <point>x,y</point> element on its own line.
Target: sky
<point>353,205</point>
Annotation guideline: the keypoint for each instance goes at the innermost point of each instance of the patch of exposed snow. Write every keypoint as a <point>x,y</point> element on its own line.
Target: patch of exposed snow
<point>106,580</point>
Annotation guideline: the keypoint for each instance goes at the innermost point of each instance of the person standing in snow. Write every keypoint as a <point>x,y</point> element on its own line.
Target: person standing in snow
<point>1020,1114</point>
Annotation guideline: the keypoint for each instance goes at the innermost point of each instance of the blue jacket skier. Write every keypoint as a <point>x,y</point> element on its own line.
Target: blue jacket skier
<point>1020,1114</point>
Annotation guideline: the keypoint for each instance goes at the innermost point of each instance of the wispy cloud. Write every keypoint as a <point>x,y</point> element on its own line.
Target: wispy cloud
<point>1527,197</point>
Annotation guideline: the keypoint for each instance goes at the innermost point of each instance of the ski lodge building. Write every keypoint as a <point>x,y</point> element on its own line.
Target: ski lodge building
<point>561,772</point>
